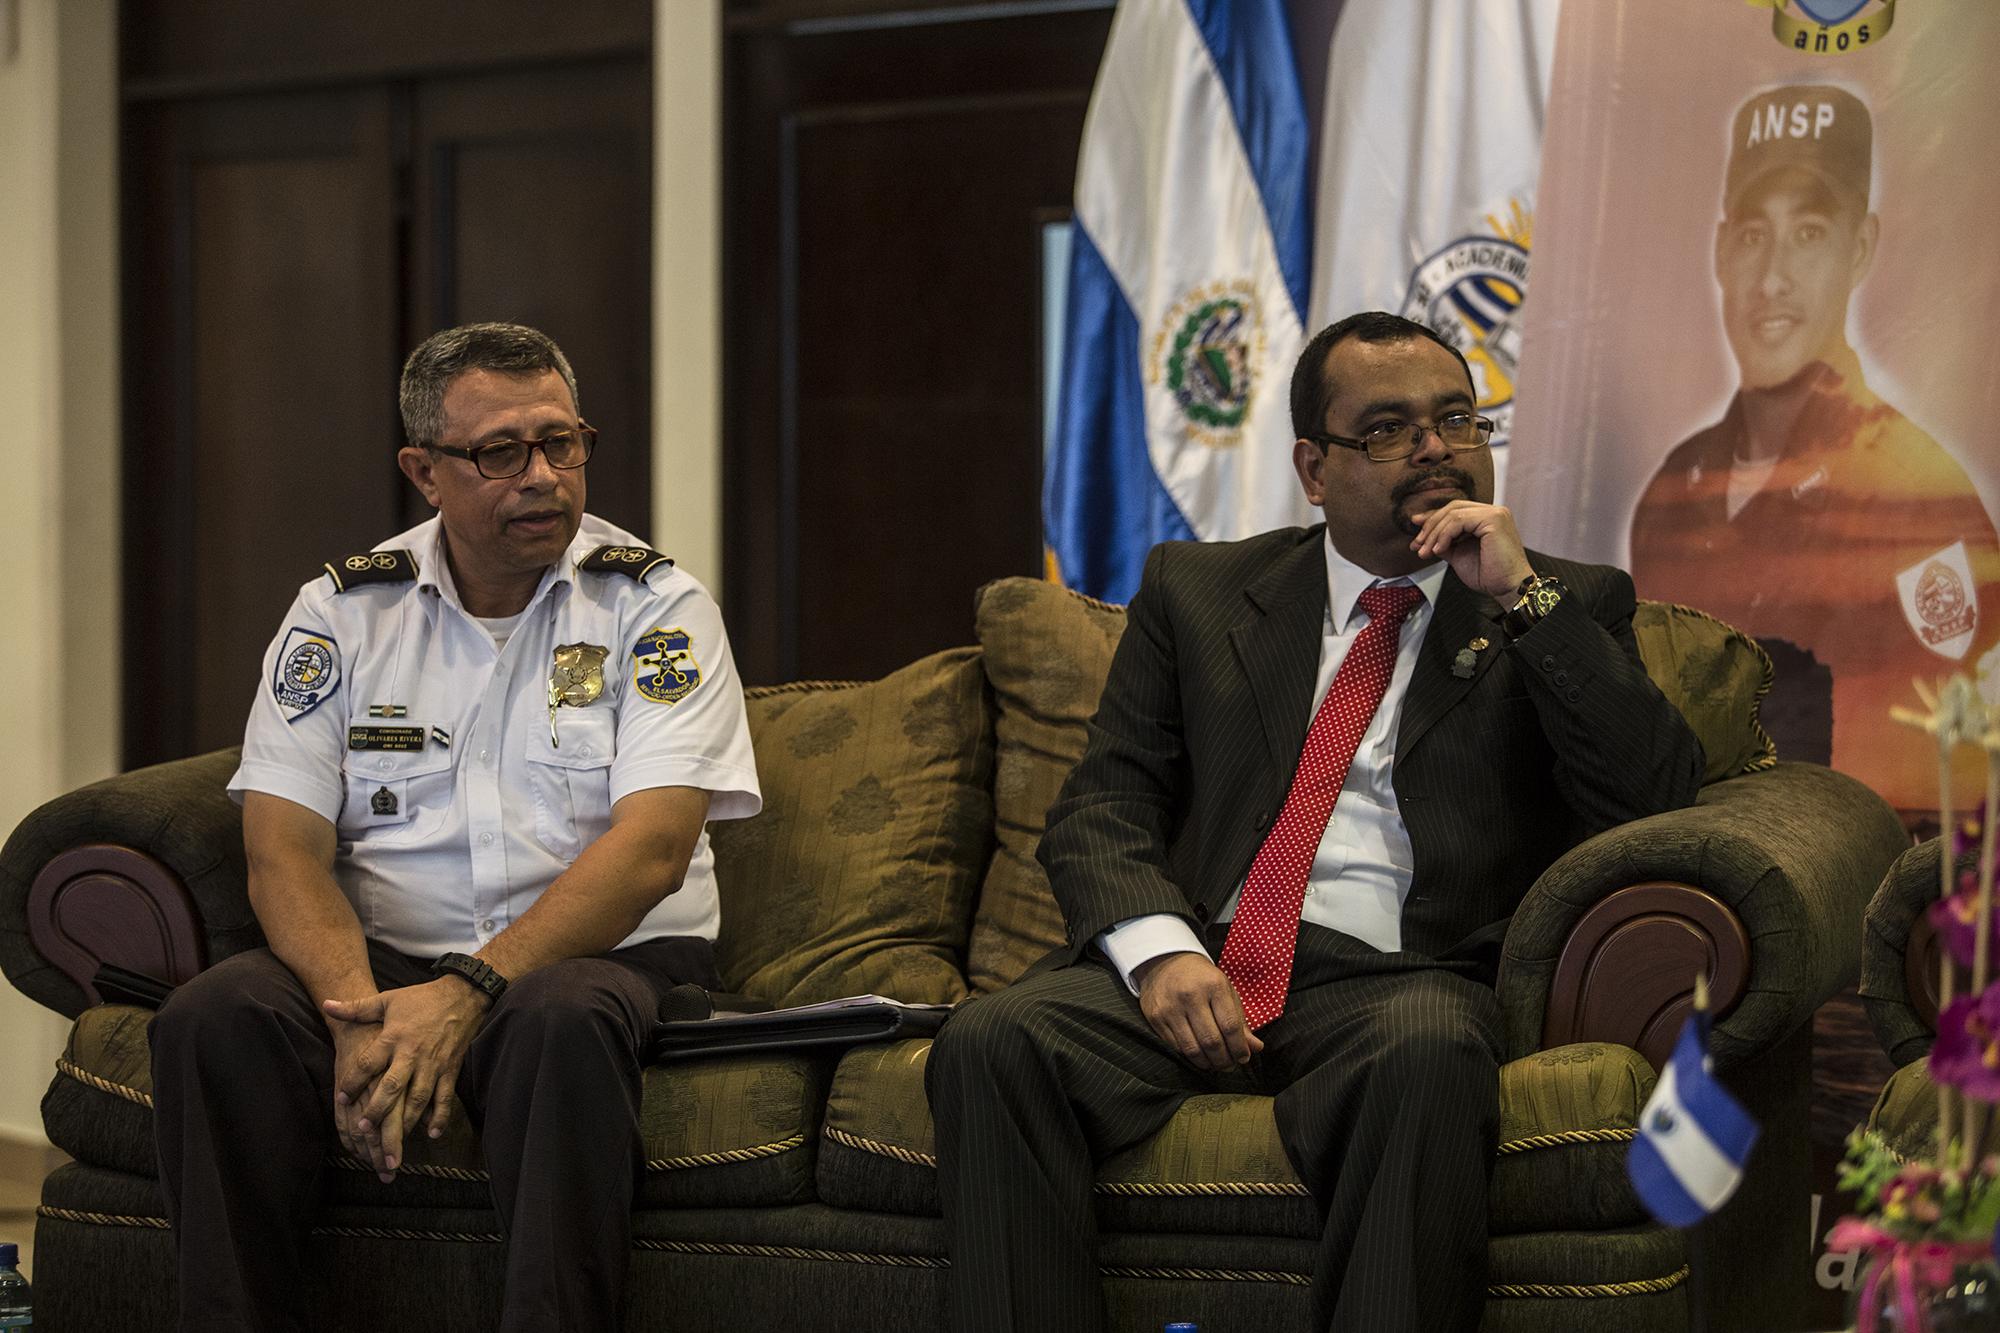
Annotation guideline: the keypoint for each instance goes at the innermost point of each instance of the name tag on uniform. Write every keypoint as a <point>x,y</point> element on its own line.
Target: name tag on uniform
<point>385,738</point>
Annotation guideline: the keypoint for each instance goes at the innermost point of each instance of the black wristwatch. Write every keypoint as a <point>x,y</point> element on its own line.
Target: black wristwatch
<point>476,972</point>
<point>1539,596</point>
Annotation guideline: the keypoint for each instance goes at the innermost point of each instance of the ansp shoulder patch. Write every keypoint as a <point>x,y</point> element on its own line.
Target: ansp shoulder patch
<point>351,571</point>
<point>308,670</point>
<point>637,561</point>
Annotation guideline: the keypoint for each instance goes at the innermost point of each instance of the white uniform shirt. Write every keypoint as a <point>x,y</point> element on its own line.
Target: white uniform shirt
<point>1361,873</point>
<point>444,844</point>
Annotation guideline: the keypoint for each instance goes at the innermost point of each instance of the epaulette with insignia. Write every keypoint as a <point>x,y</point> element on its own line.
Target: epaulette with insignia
<point>638,561</point>
<point>371,567</point>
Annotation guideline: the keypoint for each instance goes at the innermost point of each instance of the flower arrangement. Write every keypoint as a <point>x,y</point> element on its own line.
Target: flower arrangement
<point>1921,1220</point>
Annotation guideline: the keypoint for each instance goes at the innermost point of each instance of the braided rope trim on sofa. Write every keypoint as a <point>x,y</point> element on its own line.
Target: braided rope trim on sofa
<point>464,1173</point>
<point>907,1155</point>
<point>727,1156</point>
<point>1148,1189</point>
<point>467,1174</point>
<point>1212,1275</point>
<point>802,687</point>
<point>1207,1189</point>
<point>409,1233</point>
<point>791,1252</point>
<point>1643,1287</point>
<point>1237,1188</point>
<point>90,1080</point>
<point>102,1219</point>
<point>1530,1142</point>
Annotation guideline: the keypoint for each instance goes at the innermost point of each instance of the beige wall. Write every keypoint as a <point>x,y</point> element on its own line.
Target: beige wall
<point>59,623</point>
<point>58,386</point>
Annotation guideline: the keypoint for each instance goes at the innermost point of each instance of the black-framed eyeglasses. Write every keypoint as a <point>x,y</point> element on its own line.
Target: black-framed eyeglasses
<point>500,459</point>
<point>1388,441</point>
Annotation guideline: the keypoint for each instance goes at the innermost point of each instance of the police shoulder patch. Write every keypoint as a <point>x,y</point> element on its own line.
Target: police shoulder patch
<point>307,671</point>
<point>351,571</point>
<point>663,665</point>
<point>637,561</point>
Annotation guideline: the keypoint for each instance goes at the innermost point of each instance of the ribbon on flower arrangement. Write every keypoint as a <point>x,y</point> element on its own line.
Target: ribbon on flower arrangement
<point>1919,1267</point>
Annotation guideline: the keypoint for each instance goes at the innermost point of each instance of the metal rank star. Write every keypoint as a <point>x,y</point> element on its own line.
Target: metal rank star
<point>576,679</point>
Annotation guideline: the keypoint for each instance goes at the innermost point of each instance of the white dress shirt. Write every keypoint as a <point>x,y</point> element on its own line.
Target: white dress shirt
<point>1361,872</point>
<point>444,844</point>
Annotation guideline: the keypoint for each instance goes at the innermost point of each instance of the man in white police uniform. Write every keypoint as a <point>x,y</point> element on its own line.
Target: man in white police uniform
<point>474,786</point>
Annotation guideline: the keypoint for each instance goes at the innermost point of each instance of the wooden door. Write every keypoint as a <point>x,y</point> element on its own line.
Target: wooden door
<point>889,177</point>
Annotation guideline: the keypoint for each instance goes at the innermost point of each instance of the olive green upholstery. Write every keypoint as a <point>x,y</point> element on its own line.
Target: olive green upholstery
<point>896,854</point>
<point>858,875</point>
<point>1708,669</point>
<point>1906,1112</point>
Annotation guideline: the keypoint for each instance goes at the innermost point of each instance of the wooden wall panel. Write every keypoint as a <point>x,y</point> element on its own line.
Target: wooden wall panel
<point>919,394</point>
<point>538,210</point>
<point>260,422</point>
<point>887,177</point>
<point>278,418</point>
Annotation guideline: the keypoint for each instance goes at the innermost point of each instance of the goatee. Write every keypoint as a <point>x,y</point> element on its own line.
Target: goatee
<point>1411,484</point>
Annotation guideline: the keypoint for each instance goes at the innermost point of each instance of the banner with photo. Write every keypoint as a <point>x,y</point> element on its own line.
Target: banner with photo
<point>1765,267</point>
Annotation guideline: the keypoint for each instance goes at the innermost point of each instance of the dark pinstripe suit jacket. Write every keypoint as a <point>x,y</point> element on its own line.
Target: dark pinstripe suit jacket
<point>1551,739</point>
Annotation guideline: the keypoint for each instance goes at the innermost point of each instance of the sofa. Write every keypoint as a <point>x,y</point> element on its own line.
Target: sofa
<point>1900,957</point>
<point>895,855</point>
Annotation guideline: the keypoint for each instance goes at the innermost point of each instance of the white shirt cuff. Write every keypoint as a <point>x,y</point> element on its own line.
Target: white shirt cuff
<point>1140,939</point>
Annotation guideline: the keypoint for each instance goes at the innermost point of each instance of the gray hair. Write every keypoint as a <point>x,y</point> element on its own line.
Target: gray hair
<point>507,349</point>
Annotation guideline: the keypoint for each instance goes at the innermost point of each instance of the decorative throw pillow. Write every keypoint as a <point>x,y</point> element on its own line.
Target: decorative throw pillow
<point>858,875</point>
<point>1717,676</point>
<point>1047,653</point>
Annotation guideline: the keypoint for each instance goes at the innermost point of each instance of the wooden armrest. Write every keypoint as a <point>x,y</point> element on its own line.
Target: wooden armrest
<point>1626,973</point>
<point>105,903</point>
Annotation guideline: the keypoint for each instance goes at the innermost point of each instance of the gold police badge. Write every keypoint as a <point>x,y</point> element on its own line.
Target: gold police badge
<point>577,679</point>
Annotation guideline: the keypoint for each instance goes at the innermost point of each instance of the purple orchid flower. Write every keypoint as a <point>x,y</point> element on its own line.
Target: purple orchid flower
<point>1956,921</point>
<point>1967,1053</point>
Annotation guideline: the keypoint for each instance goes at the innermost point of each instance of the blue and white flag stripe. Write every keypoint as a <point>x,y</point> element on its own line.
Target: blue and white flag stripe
<point>1252,51</point>
<point>1188,273</point>
<point>1693,1136</point>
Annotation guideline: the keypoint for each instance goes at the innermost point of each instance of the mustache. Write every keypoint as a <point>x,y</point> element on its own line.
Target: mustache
<point>1409,485</point>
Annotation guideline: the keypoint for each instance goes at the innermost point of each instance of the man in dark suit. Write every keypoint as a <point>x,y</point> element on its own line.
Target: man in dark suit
<point>1326,766</point>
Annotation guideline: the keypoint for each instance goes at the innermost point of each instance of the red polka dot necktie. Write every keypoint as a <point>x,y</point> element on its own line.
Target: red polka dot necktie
<point>1257,955</point>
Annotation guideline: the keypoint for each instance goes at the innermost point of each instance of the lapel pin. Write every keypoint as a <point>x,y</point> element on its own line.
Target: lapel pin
<point>1468,658</point>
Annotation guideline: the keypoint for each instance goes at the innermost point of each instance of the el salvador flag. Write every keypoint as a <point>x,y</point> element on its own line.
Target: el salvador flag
<point>1693,1136</point>
<point>1189,268</point>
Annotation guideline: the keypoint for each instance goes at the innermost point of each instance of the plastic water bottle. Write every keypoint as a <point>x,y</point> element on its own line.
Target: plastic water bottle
<point>17,1310</point>
<point>1182,1328</point>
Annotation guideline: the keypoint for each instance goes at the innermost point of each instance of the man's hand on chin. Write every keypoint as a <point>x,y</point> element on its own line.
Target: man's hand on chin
<point>1194,1011</point>
<point>1479,542</point>
<point>419,1038</point>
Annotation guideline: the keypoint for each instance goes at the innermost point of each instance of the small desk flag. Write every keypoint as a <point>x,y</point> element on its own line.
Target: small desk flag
<point>1693,1136</point>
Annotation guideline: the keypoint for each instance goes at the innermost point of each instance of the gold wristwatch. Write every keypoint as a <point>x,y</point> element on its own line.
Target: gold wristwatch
<point>1539,596</point>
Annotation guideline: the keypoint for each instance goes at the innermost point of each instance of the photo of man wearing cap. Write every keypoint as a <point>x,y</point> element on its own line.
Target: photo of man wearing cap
<point>1814,515</point>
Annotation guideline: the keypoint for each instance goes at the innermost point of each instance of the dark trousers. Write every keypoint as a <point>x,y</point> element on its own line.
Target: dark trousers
<point>243,1114</point>
<point>1385,1070</point>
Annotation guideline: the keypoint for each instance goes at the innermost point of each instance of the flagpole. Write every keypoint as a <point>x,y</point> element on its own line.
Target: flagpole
<point>1698,1235</point>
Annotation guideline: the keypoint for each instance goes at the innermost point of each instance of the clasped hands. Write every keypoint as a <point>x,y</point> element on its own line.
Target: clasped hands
<point>396,1057</point>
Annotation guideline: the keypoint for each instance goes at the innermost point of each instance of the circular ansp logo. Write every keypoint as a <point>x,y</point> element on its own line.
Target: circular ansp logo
<point>308,666</point>
<point>1471,293</point>
<point>1206,353</point>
